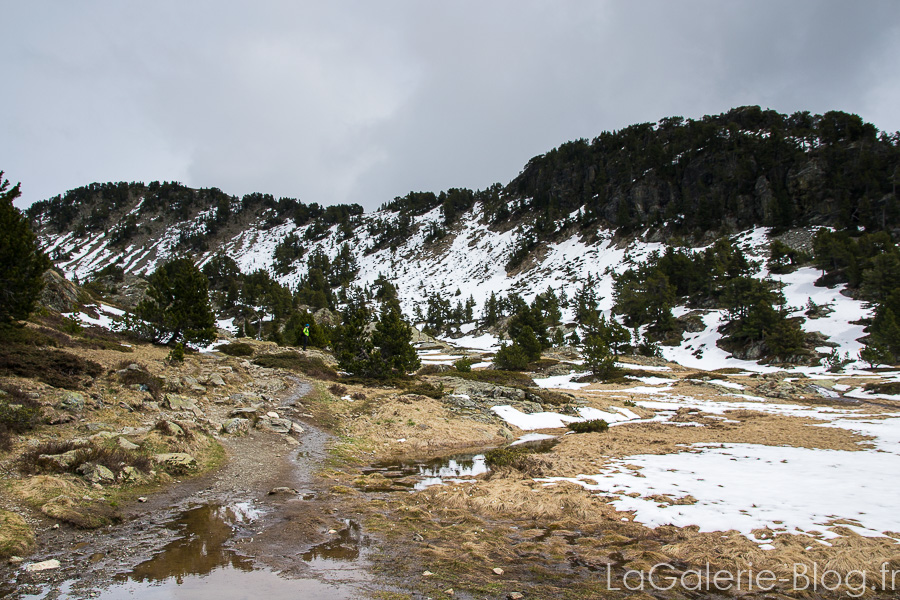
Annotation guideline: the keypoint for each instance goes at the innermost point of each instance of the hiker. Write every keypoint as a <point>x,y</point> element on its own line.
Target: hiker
<point>305,336</point>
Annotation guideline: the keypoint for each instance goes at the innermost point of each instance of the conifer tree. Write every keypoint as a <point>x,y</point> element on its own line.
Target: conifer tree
<point>177,306</point>
<point>352,346</point>
<point>393,339</point>
<point>22,263</point>
<point>529,343</point>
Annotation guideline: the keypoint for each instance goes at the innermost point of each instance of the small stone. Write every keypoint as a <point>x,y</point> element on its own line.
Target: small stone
<point>272,415</point>
<point>427,574</point>
<point>418,537</point>
<point>55,526</point>
<point>43,566</point>
<point>497,571</point>
<point>332,531</point>
<point>515,596</point>
<point>449,591</point>
<point>295,427</point>
<point>15,560</point>
<point>282,490</point>
<point>142,499</point>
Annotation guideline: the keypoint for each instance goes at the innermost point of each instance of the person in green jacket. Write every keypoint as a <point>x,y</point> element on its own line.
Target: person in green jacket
<point>305,336</point>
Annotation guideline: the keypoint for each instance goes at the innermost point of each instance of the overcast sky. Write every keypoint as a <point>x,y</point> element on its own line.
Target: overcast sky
<point>362,101</point>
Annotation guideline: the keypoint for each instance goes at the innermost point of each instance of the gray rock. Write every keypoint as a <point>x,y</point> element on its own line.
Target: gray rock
<point>61,462</point>
<point>176,402</point>
<point>96,473</point>
<point>72,401</point>
<point>236,426</point>
<point>131,475</point>
<point>170,428</point>
<point>282,490</point>
<point>43,566</point>
<point>244,413</point>
<point>245,398</point>
<point>274,425</point>
<point>178,460</point>
<point>215,379</point>
<point>126,444</point>
<point>295,427</point>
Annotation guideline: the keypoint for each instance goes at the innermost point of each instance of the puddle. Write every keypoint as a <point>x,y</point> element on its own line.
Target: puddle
<point>340,554</point>
<point>199,563</point>
<point>418,475</point>
<point>200,547</point>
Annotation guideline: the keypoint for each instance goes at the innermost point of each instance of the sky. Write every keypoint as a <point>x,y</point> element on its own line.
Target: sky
<point>361,101</point>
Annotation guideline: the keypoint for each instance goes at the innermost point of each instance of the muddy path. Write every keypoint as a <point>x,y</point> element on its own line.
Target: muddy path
<point>264,521</point>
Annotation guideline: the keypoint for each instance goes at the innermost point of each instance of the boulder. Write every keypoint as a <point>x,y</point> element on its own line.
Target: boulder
<point>169,428</point>
<point>59,462</point>
<point>72,401</point>
<point>216,380</point>
<point>131,475</point>
<point>274,425</point>
<point>176,402</point>
<point>96,473</point>
<point>177,461</point>
<point>244,413</point>
<point>236,426</point>
<point>125,444</point>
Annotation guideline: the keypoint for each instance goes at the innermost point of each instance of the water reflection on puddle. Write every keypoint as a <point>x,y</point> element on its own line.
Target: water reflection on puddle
<point>198,563</point>
<point>418,475</point>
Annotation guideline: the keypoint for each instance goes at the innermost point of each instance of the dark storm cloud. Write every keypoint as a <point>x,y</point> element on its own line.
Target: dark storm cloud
<point>363,101</point>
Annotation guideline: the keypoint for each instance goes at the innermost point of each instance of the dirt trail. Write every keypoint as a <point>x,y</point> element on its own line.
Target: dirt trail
<point>298,532</point>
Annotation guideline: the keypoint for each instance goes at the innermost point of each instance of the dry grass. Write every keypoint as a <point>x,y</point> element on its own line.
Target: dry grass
<point>113,458</point>
<point>84,514</point>
<point>425,424</point>
<point>16,537</point>
<point>313,366</point>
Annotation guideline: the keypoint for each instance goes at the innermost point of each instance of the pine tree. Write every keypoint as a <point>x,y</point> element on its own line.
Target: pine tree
<point>22,263</point>
<point>393,339</point>
<point>177,305</point>
<point>352,347</point>
<point>511,357</point>
<point>491,311</point>
<point>529,343</point>
<point>598,358</point>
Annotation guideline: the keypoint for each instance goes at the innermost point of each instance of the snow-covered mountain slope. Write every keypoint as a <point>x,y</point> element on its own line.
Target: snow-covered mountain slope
<point>471,260</point>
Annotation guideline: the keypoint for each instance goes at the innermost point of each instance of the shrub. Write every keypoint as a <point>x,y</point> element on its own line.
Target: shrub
<point>592,426</point>
<point>511,358</point>
<point>313,366</point>
<point>140,376</point>
<point>424,388</point>
<point>464,365</point>
<point>495,376</point>
<point>836,362</point>
<point>176,355</point>
<point>53,367</point>
<point>337,389</point>
<point>18,414</point>
<point>236,349</point>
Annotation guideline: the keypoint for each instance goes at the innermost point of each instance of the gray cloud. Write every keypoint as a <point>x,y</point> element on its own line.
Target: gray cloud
<point>363,101</point>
